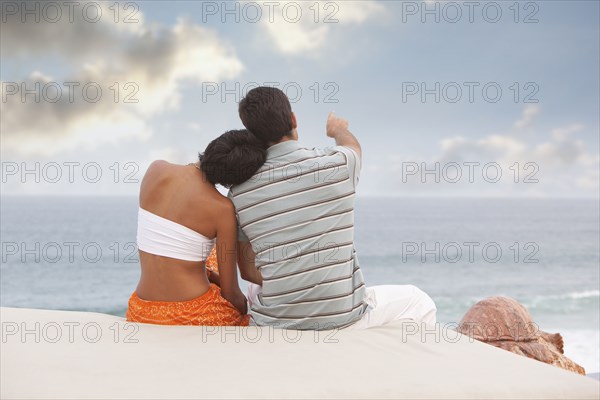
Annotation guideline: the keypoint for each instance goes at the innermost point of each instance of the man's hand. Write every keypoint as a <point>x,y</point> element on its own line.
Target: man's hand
<point>336,126</point>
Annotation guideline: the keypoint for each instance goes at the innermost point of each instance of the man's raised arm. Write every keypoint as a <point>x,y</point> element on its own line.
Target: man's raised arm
<point>337,128</point>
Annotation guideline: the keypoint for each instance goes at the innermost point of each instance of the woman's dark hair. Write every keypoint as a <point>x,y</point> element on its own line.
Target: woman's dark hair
<point>232,158</point>
<point>267,113</point>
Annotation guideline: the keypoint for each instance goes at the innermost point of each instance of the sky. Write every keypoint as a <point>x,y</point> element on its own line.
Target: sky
<point>475,99</point>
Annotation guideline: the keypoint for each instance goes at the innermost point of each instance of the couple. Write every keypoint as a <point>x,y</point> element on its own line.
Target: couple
<point>287,225</point>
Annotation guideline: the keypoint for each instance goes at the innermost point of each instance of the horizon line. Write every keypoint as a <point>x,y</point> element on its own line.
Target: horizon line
<point>378,196</point>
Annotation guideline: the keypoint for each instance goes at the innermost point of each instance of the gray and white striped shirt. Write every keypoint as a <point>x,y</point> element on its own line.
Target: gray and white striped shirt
<point>297,212</point>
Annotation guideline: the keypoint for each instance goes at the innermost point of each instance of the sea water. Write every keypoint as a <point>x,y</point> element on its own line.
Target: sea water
<point>78,253</point>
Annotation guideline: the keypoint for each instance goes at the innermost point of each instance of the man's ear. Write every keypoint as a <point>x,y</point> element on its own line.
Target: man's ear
<point>294,124</point>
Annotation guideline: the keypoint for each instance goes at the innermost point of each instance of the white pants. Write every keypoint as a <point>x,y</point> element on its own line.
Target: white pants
<point>390,303</point>
<point>387,303</point>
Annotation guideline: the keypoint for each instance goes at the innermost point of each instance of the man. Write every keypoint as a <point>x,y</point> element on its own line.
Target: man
<point>296,237</point>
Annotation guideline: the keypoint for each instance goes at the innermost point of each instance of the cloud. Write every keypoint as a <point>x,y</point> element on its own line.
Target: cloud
<point>562,161</point>
<point>459,149</point>
<point>76,33</point>
<point>564,133</point>
<point>303,32</point>
<point>33,127</point>
<point>560,165</point>
<point>528,116</point>
<point>560,152</point>
<point>555,152</point>
<point>140,69</point>
<point>296,38</point>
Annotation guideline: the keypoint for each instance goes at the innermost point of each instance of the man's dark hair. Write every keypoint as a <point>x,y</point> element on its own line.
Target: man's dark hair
<point>267,113</point>
<point>232,158</point>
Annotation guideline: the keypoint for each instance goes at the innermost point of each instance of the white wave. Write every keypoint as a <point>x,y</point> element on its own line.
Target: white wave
<point>584,295</point>
<point>582,346</point>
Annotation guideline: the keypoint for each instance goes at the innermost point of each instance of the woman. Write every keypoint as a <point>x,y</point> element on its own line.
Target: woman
<point>181,213</point>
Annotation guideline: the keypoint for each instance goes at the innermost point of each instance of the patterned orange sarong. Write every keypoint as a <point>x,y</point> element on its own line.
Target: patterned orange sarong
<point>212,264</point>
<point>209,309</point>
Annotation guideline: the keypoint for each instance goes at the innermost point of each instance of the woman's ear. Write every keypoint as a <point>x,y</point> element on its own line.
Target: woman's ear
<point>294,124</point>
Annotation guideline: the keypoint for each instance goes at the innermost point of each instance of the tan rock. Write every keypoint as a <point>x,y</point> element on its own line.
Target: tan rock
<point>504,323</point>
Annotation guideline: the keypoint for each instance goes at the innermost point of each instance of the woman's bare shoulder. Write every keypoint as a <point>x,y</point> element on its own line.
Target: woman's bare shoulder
<point>156,174</point>
<point>158,165</point>
<point>221,204</point>
<point>158,168</point>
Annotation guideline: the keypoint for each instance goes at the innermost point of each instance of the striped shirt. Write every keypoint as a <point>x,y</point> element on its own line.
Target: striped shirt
<point>297,212</point>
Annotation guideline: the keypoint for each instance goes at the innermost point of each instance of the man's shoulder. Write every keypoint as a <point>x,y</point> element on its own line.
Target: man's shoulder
<point>307,156</point>
<point>285,166</point>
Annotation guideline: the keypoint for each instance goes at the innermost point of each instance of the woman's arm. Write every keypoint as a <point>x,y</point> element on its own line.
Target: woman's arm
<point>246,263</point>
<point>226,256</point>
<point>213,277</point>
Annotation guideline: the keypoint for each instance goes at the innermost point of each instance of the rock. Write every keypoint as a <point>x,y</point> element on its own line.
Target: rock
<point>504,323</point>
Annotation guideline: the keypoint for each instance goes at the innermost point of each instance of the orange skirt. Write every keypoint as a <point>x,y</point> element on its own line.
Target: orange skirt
<point>209,309</point>
<point>212,264</point>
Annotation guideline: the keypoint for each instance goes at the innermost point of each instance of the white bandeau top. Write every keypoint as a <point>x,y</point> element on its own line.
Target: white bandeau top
<point>162,237</point>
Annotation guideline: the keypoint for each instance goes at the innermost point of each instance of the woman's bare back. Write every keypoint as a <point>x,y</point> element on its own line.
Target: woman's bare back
<point>180,194</point>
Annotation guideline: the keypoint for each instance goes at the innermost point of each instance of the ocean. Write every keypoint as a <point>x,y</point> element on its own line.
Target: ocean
<point>78,253</point>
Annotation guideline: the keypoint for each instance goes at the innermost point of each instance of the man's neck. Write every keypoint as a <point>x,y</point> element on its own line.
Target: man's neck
<point>286,138</point>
